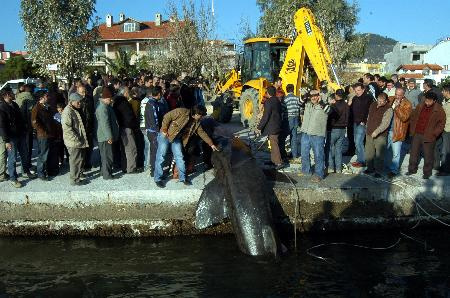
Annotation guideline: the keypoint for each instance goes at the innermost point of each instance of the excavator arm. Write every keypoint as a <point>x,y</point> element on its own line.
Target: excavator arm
<point>310,43</point>
<point>232,81</point>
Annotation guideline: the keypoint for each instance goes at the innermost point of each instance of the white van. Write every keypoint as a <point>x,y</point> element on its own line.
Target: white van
<point>14,84</point>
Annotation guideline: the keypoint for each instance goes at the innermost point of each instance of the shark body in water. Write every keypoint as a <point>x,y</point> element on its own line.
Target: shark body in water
<point>241,193</point>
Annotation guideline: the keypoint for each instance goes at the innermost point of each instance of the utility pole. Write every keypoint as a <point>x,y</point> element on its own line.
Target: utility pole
<point>212,7</point>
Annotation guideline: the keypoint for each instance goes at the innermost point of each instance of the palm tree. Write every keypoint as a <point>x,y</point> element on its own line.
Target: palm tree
<point>121,66</point>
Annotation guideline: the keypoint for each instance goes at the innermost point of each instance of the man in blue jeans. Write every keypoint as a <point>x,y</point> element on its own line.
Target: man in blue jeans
<point>360,105</point>
<point>13,133</point>
<point>177,127</point>
<point>46,131</point>
<point>337,122</point>
<point>292,103</point>
<point>153,115</point>
<point>314,129</point>
<point>398,131</point>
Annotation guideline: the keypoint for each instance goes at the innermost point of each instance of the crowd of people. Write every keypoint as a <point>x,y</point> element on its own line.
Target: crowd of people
<point>382,119</point>
<point>150,124</point>
<point>132,121</point>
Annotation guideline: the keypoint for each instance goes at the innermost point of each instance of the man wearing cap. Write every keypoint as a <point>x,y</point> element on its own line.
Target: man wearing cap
<point>412,92</point>
<point>107,130</point>
<point>75,139</point>
<point>46,130</point>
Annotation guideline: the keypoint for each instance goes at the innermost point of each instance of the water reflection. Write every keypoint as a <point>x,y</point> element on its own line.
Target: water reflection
<point>214,266</point>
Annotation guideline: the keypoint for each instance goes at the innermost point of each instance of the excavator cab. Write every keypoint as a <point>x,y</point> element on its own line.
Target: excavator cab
<point>263,58</point>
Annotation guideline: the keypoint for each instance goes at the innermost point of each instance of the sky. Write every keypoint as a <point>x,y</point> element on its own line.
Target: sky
<point>403,20</point>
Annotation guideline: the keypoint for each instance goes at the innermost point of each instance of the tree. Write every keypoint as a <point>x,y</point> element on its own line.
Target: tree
<point>121,66</point>
<point>192,47</point>
<point>17,68</point>
<point>57,32</point>
<point>444,82</point>
<point>336,18</point>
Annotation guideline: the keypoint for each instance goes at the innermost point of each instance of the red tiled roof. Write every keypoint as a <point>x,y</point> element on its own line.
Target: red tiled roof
<point>411,75</point>
<point>148,30</point>
<point>419,67</point>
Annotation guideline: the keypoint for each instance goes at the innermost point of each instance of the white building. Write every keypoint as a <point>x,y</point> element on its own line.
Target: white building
<point>405,53</point>
<point>141,37</point>
<point>420,72</point>
<point>440,54</point>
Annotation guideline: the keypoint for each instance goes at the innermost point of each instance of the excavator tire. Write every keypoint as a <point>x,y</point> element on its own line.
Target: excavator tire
<point>249,108</point>
<point>223,108</point>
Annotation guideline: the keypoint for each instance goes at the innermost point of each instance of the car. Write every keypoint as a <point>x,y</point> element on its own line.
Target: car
<point>14,84</point>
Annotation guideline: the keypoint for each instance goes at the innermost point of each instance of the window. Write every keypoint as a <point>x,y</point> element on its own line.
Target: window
<point>435,72</point>
<point>98,52</point>
<point>404,47</point>
<point>129,27</point>
<point>415,57</point>
<point>126,48</point>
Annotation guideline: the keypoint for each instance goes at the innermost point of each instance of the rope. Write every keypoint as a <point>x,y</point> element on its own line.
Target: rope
<point>308,251</point>
<point>296,208</point>
<point>404,186</point>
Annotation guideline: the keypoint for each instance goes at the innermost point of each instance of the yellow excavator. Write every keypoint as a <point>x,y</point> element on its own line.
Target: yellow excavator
<point>266,59</point>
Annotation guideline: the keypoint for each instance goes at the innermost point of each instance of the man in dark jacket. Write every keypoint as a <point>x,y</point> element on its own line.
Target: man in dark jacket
<point>428,85</point>
<point>26,102</point>
<point>46,129</point>
<point>337,122</point>
<point>127,126</point>
<point>13,132</point>
<point>360,105</point>
<point>153,115</point>
<point>270,125</point>
<point>293,108</point>
<point>371,85</point>
<point>427,123</point>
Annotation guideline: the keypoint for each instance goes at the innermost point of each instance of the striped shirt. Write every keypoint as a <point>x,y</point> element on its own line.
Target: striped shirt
<point>293,105</point>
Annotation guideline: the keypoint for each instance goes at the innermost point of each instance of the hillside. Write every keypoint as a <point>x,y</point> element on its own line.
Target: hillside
<point>377,46</point>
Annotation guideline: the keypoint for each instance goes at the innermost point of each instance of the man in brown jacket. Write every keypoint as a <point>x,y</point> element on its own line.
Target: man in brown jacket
<point>427,123</point>
<point>42,120</point>
<point>398,130</point>
<point>178,126</point>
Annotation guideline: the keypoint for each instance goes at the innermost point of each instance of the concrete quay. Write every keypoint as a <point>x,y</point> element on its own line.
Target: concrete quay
<point>132,206</point>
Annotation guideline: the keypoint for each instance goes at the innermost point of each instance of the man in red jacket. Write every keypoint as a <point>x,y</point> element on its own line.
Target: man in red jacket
<point>427,123</point>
